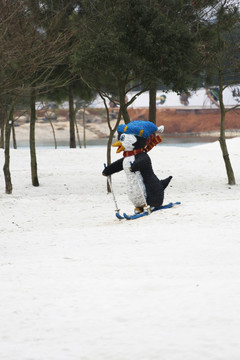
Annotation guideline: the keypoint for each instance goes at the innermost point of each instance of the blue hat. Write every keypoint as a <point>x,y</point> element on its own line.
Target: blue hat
<point>138,128</point>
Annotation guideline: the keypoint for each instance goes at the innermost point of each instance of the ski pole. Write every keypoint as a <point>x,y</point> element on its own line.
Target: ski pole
<point>111,188</point>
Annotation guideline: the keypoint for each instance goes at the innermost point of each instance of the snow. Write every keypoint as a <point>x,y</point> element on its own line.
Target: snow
<point>78,284</point>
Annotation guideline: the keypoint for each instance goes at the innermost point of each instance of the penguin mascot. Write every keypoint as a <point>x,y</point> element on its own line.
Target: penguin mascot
<point>135,139</point>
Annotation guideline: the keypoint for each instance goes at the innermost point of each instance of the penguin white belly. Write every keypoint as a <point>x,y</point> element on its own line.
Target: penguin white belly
<point>136,189</point>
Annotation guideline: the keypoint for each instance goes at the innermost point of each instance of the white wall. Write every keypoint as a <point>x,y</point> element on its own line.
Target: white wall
<point>198,99</point>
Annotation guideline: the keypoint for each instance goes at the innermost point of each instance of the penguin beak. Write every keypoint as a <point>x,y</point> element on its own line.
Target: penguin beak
<point>119,145</point>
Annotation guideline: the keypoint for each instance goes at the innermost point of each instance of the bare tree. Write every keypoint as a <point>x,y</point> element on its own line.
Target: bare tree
<point>221,59</point>
<point>29,56</point>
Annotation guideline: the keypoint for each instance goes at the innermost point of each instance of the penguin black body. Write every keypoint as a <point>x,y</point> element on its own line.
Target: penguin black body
<point>154,187</point>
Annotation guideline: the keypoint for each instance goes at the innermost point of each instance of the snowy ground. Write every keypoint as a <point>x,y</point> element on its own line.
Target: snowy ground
<point>78,284</point>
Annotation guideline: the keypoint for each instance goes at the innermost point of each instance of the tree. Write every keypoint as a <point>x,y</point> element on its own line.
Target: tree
<point>221,59</point>
<point>64,9</point>
<point>103,61</point>
<point>53,17</point>
<point>161,34</point>
<point>28,57</point>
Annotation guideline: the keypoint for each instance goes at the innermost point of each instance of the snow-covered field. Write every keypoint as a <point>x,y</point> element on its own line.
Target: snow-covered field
<point>78,284</point>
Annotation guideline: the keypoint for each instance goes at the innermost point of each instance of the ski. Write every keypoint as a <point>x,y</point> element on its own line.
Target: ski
<point>120,217</point>
<point>145,213</point>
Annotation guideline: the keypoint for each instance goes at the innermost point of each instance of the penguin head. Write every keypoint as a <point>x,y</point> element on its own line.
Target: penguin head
<point>134,135</point>
<point>129,142</point>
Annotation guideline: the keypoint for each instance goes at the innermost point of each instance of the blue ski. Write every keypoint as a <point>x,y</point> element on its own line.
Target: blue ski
<point>136,216</point>
<point>120,217</point>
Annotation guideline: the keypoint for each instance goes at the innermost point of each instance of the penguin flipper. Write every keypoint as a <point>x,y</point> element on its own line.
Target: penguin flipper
<point>114,167</point>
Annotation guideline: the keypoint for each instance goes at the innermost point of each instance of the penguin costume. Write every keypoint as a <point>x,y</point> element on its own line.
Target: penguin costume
<point>143,187</point>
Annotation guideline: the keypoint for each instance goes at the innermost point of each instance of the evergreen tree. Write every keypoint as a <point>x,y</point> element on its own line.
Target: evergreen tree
<point>136,41</point>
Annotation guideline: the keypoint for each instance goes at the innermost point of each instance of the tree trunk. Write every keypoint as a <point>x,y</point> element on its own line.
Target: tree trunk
<point>222,139</point>
<point>13,134</point>
<point>84,128</point>
<point>110,139</point>
<point>71,118</point>
<point>33,156</point>
<point>225,154</point>
<point>152,102</point>
<point>78,136</point>
<point>3,117</point>
<point>54,135</point>
<point>6,167</point>
<point>111,133</point>
<point>123,106</point>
